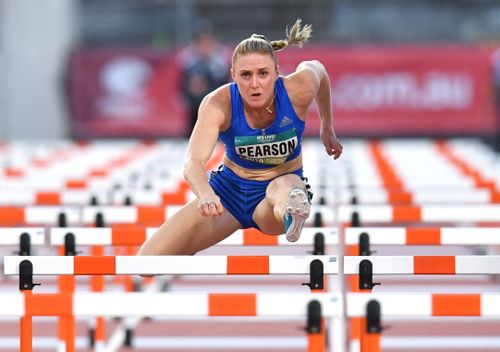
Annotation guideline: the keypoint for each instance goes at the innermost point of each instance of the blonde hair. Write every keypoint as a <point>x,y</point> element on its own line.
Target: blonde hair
<point>297,35</point>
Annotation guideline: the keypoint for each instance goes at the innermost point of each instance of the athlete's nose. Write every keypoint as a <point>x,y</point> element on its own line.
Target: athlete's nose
<point>255,82</point>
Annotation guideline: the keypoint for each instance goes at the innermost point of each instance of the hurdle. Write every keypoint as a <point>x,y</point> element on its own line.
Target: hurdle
<point>252,265</point>
<point>172,265</point>
<point>316,238</point>
<point>24,237</point>
<point>421,236</point>
<point>329,305</point>
<point>422,214</point>
<point>419,196</point>
<point>39,215</point>
<point>28,266</point>
<point>86,215</point>
<point>136,235</point>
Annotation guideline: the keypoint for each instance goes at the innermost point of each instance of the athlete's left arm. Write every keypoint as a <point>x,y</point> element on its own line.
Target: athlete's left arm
<point>313,76</point>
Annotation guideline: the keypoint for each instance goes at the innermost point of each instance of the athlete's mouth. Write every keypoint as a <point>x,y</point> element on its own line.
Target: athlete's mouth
<point>256,95</point>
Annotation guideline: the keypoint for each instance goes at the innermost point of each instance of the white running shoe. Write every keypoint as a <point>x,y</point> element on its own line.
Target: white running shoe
<point>297,210</point>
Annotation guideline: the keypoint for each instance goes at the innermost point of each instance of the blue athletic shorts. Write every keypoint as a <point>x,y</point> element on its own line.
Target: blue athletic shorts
<point>240,196</point>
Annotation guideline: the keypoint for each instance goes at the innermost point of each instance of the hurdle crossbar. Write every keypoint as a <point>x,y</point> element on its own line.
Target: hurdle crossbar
<point>426,213</point>
<point>12,235</point>
<point>113,304</point>
<point>426,265</point>
<point>181,265</point>
<point>251,265</point>
<point>39,215</point>
<point>425,236</point>
<point>380,195</point>
<point>125,236</point>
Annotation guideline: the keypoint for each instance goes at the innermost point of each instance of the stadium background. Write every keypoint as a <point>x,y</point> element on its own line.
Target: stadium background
<point>399,68</point>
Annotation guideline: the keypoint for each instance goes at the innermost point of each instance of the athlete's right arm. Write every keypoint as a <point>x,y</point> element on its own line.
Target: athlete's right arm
<point>211,118</point>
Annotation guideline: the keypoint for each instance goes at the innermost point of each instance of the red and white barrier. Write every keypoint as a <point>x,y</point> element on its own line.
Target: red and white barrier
<point>426,265</point>
<point>181,265</point>
<point>425,236</point>
<point>124,236</point>
<point>12,235</point>
<point>251,265</point>
<point>426,213</point>
<point>247,304</point>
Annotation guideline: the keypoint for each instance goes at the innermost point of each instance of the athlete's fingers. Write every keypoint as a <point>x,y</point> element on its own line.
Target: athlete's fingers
<point>205,208</point>
<point>212,209</point>
<point>220,208</point>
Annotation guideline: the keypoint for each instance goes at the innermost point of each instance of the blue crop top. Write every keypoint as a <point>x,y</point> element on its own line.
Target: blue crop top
<point>256,148</point>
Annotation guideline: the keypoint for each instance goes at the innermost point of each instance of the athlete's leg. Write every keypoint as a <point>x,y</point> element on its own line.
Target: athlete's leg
<point>188,232</point>
<point>278,197</point>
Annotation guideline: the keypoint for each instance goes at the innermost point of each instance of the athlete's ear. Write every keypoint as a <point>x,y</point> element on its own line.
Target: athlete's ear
<point>232,73</point>
<point>277,71</point>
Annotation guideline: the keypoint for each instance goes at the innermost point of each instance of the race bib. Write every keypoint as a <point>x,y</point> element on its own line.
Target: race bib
<point>270,149</point>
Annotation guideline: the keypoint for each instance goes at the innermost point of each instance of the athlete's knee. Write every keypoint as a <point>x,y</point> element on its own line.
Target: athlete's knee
<point>279,184</point>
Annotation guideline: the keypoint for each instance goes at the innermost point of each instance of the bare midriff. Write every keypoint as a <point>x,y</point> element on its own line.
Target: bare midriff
<point>264,174</point>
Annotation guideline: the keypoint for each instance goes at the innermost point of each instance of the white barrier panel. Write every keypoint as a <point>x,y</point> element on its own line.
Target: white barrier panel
<point>12,235</point>
<point>158,265</point>
<point>137,235</point>
<point>425,236</point>
<point>247,304</point>
<point>426,265</point>
<point>78,215</point>
<point>251,265</point>
<point>427,213</point>
<point>419,196</point>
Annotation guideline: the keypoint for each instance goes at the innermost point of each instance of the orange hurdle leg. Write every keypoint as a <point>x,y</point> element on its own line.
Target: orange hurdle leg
<point>26,335</point>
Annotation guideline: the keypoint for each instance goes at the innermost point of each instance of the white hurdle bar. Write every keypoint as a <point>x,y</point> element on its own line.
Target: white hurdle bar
<point>251,265</point>
<point>171,265</point>
<point>247,304</point>
<point>424,236</point>
<point>12,235</point>
<point>40,215</point>
<point>78,215</point>
<point>118,236</point>
<point>426,214</point>
<point>429,195</point>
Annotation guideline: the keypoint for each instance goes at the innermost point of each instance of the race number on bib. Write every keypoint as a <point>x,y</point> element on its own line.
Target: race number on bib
<point>271,149</point>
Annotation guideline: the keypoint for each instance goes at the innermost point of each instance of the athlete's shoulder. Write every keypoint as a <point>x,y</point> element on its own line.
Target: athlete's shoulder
<point>306,76</point>
<point>301,86</point>
<point>220,97</point>
<point>216,106</point>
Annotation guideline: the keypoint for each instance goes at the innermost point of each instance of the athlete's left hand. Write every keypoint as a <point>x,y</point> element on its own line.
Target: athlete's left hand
<point>333,147</point>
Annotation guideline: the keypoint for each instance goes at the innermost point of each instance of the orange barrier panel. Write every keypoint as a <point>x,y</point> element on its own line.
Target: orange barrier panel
<point>423,236</point>
<point>434,265</point>
<point>456,304</point>
<point>95,265</point>
<point>253,237</point>
<point>239,265</point>
<point>232,304</point>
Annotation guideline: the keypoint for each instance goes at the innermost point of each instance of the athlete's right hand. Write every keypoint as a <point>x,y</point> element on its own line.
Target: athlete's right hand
<point>210,205</point>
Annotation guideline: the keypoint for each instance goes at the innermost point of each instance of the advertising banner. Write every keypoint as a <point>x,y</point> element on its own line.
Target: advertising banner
<point>376,91</point>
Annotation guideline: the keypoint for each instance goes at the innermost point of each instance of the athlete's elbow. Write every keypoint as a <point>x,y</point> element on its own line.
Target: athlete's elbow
<point>190,167</point>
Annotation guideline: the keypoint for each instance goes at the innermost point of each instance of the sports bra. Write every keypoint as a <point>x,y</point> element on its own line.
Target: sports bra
<point>256,148</point>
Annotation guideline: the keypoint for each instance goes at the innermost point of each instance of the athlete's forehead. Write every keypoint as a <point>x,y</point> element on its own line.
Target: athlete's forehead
<point>253,62</point>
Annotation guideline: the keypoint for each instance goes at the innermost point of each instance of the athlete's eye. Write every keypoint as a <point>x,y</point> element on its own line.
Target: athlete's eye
<point>264,73</point>
<point>245,75</point>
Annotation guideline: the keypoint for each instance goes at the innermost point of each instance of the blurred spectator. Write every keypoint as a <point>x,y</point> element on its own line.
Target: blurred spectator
<point>205,67</point>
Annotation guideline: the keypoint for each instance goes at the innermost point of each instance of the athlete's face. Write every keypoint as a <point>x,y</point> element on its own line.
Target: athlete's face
<point>255,75</point>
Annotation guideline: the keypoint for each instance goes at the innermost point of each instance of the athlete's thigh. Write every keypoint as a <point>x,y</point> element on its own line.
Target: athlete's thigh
<point>269,212</point>
<point>187,232</point>
<point>264,217</point>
